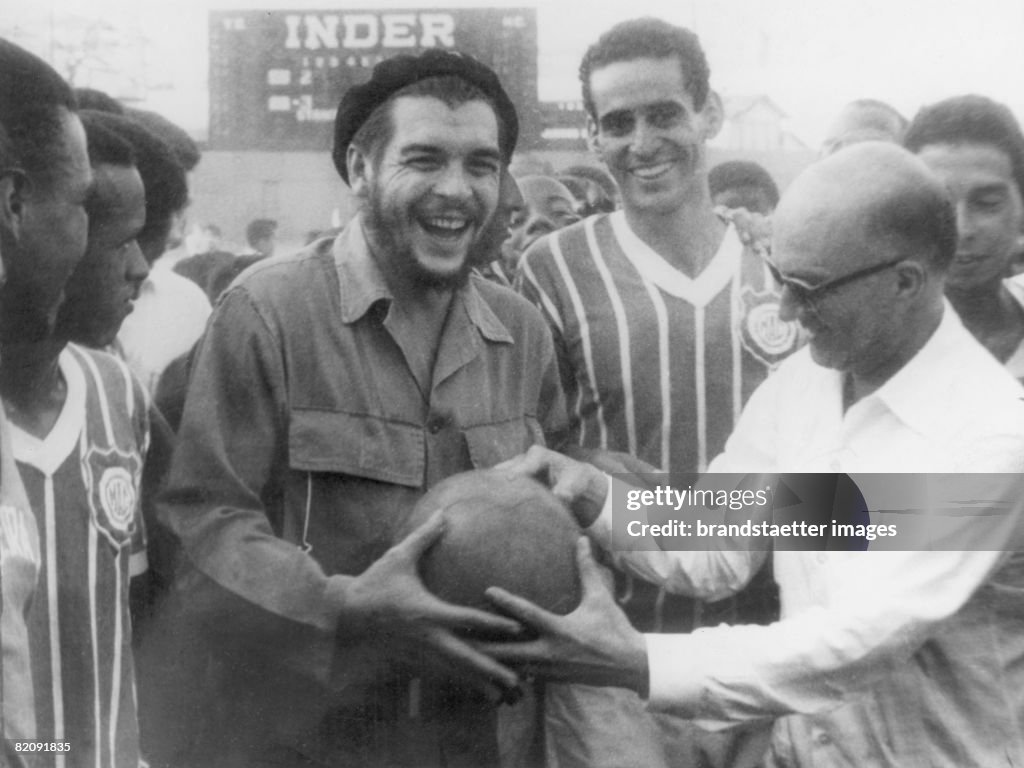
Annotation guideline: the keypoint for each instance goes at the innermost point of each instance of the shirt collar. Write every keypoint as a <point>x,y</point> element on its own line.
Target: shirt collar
<point>916,393</point>
<point>362,285</point>
<point>361,282</point>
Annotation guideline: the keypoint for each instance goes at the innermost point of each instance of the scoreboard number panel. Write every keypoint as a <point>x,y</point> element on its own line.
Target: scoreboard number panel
<point>276,77</point>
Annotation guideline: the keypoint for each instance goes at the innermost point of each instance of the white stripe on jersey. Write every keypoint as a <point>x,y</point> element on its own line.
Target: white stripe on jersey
<point>549,308</point>
<point>94,629</point>
<point>625,350</point>
<point>588,355</point>
<point>133,386</point>
<point>102,397</point>
<point>702,395</point>
<point>129,399</point>
<point>664,373</point>
<point>737,352</point>
<point>115,676</point>
<point>57,681</point>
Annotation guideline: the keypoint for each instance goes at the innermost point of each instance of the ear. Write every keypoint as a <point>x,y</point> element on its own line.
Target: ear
<point>712,115</point>
<point>911,276</point>
<point>15,188</point>
<point>359,170</point>
<point>593,140</point>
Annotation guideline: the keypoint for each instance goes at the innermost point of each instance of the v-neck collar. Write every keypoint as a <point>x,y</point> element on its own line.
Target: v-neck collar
<point>652,266</point>
<point>48,453</point>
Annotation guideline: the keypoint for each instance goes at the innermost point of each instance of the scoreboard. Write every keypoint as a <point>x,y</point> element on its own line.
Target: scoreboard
<point>276,77</point>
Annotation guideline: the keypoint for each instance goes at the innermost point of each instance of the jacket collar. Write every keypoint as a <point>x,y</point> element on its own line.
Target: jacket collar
<point>362,284</point>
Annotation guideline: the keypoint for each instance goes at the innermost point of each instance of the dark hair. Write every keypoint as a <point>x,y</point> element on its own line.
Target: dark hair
<point>98,101</point>
<point>184,148</point>
<point>33,99</point>
<point>648,38</point>
<point>162,175</point>
<point>105,146</point>
<point>259,229</point>
<point>379,128</point>
<point>970,119</point>
<point>742,173</point>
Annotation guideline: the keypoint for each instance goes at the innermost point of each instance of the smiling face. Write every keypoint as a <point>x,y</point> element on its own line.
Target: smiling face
<point>649,133</point>
<point>432,190</point>
<point>990,213</point>
<point>100,291</point>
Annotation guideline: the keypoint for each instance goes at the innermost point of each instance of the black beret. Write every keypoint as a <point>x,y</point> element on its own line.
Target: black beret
<point>395,73</point>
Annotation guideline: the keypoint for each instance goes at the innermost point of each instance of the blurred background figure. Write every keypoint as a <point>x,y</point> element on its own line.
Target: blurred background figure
<point>547,206</point>
<point>593,188</point>
<point>213,271</point>
<point>204,238</point>
<point>976,148</point>
<point>261,235</point>
<point>864,120</point>
<point>743,184</point>
<point>92,99</point>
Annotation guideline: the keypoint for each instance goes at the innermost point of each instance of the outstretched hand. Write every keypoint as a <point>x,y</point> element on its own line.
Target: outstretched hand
<point>593,645</point>
<point>581,487</point>
<point>393,608</point>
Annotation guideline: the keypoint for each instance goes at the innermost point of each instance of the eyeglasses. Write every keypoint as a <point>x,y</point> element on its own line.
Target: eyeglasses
<point>811,295</point>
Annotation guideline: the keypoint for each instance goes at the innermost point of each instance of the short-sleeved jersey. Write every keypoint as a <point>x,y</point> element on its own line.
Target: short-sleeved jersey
<point>82,482</point>
<point>655,363</point>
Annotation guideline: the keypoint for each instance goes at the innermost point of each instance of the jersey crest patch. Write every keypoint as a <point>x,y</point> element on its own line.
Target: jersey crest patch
<point>763,333</point>
<point>112,477</point>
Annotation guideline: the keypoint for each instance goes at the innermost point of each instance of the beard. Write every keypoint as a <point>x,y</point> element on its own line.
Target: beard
<point>387,230</point>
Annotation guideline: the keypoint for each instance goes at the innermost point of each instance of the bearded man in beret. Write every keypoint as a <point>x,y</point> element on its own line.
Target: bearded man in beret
<point>332,389</point>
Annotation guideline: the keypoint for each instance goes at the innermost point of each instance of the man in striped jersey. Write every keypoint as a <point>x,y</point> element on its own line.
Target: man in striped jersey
<point>19,561</point>
<point>44,181</point>
<point>663,321</point>
<point>80,434</point>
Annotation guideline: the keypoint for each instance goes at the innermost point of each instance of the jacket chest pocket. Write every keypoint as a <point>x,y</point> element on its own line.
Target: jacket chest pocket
<point>490,444</point>
<point>356,444</point>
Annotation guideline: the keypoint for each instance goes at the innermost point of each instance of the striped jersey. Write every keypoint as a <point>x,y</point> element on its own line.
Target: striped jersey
<point>82,481</point>
<point>655,363</point>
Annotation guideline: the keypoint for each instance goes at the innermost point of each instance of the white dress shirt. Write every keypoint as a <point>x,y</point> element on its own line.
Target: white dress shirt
<point>890,658</point>
<point>169,317</point>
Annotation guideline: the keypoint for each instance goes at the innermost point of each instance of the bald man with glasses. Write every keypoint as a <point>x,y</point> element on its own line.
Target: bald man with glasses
<point>887,658</point>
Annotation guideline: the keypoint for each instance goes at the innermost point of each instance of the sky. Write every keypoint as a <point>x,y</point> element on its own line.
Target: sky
<point>809,56</point>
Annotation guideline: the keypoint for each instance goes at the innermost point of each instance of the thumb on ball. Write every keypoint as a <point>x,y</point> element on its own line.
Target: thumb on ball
<point>590,571</point>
